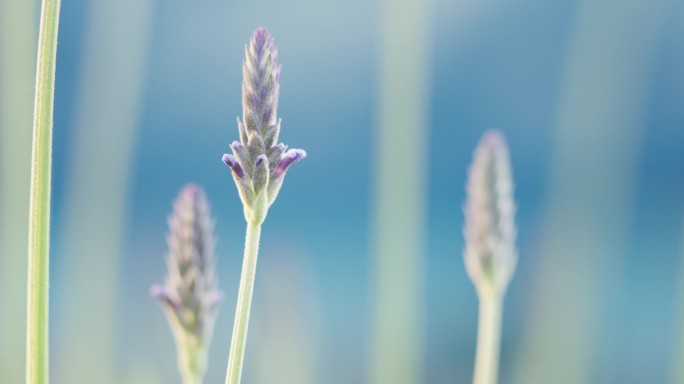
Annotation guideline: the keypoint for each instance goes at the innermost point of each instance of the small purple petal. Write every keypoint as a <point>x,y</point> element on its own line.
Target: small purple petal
<point>160,293</point>
<point>280,147</point>
<point>230,161</point>
<point>260,176</point>
<point>237,146</point>
<point>290,157</point>
<point>260,160</point>
<point>214,298</point>
<point>261,38</point>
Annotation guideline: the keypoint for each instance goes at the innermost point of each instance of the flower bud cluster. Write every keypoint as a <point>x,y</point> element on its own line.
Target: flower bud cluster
<point>190,294</point>
<point>490,253</point>
<point>258,162</point>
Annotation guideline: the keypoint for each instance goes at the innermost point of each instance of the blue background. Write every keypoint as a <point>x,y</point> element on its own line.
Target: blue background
<point>492,64</point>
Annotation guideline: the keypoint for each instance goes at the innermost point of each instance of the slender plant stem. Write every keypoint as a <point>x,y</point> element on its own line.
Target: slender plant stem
<point>191,378</point>
<point>39,216</point>
<point>18,42</point>
<point>192,362</point>
<point>396,345</point>
<point>488,340</point>
<point>244,303</point>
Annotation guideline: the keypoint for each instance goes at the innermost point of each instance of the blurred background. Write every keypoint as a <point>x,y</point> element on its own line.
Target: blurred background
<point>361,277</point>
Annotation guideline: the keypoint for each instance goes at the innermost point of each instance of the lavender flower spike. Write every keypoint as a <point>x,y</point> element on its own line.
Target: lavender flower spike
<point>190,293</point>
<point>258,165</point>
<point>259,130</point>
<point>490,254</point>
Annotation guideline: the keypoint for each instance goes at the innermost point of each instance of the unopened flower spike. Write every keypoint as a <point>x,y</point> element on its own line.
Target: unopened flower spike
<point>190,294</point>
<point>490,252</point>
<point>259,181</point>
<point>258,164</point>
<point>490,232</point>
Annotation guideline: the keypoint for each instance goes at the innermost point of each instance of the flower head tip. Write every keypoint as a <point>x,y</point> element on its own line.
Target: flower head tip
<point>490,253</point>
<point>258,162</point>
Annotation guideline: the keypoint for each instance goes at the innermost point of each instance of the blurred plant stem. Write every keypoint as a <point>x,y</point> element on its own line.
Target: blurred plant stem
<point>396,335</point>
<point>244,303</point>
<point>569,334</point>
<point>285,331</point>
<point>488,339</point>
<point>108,94</point>
<point>39,216</point>
<point>193,358</point>
<point>141,372</point>
<point>677,372</point>
<point>18,42</point>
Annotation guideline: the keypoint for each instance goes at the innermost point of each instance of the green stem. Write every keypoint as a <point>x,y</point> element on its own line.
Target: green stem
<point>191,360</point>
<point>39,216</point>
<point>237,345</point>
<point>488,340</point>
<point>191,378</point>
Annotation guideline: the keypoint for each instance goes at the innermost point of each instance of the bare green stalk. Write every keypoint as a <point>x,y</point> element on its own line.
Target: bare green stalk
<point>589,209</point>
<point>237,345</point>
<point>488,340</point>
<point>99,165</point>
<point>39,216</point>
<point>18,43</point>
<point>396,352</point>
<point>677,372</point>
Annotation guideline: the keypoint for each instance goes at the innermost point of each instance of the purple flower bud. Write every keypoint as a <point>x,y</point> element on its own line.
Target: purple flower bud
<point>260,177</point>
<point>280,147</point>
<point>490,253</point>
<point>261,35</point>
<point>276,153</point>
<point>162,295</point>
<point>260,87</point>
<point>237,146</point>
<point>230,161</point>
<point>190,293</point>
<point>290,157</point>
<point>258,161</point>
<point>241,154</point>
